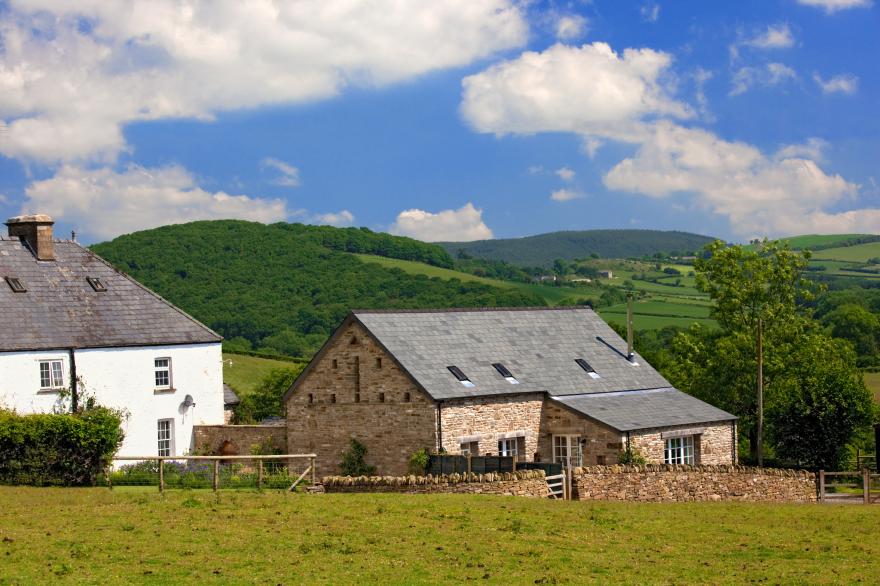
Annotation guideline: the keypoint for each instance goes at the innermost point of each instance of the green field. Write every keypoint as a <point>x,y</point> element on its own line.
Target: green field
<point>872,379</point>
<point>97,536</point>
<point>814,240</point>
<point>243,373</point>
<point>655,322</point>
<point>859,253</point>
<point>661,308</point>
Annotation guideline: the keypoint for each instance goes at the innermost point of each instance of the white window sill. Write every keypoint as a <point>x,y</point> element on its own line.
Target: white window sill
<point>51,391</point>
<point>164,391</point>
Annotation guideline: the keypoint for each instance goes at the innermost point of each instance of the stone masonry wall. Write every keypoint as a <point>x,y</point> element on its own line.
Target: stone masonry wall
<point>490,419</point>
<point>356,390</point>
<point>602,445</point>
<point>207,439</point>
<point>715,446</point>
<point>528,483</point>
<point>668,483</point>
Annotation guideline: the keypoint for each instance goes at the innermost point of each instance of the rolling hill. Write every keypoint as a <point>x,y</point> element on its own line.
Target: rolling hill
<point>543,249</point>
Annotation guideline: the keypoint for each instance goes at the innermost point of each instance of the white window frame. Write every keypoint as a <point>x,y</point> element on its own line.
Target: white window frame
<point>512,446</point>
<point>567,450</point>
<point>55,373</point>
<point>469,448</point>
<point>166,369</point>
<point>679,450</point>
<point>165,437</point>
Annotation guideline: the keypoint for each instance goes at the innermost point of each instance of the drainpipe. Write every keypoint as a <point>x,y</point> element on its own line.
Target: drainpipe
<point>439,427</point>
<point>74,392</point>
<point>628,445</point>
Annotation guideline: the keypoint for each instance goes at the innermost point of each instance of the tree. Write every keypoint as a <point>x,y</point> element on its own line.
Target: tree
<point>265,401</point>
<point>858,325</point>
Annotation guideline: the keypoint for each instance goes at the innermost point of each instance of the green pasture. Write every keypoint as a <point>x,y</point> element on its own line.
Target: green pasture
<point>813,240</point>
<point>98,536</point>
<point>655,322</point>
<point>243,373</point>
<point>859,253</point>
<point>662,307</point>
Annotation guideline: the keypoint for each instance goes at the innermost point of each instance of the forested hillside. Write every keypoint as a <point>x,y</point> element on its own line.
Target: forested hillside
<point>543,249</point>
<point>282,288</point>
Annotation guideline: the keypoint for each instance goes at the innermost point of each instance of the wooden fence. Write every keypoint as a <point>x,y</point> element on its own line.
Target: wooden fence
<point>847,491</point>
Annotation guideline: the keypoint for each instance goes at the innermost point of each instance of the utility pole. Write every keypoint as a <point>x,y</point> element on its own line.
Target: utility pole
<point>759,435</point>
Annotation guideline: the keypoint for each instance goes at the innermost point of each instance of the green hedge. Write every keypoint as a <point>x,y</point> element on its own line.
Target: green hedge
<point>54,449</point>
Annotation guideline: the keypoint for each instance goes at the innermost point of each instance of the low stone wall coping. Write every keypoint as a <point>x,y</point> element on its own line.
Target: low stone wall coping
<point>719,468</point>
<point>445,479</point>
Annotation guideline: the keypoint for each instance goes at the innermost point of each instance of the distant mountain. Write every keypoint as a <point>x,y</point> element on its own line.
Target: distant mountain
<point>543,249</point>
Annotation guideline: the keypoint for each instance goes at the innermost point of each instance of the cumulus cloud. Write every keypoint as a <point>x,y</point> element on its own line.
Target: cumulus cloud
<point>838,84</point>
<point>463,224</point>
<point>771,74</point>
<point>338,219</point>
<point>759,194</point>
<point>832,6</point>
<point>813,149</point>
<point>565,173</point>
<point>650,12</point>
<point>73,74</point>
<point>288,175</point>
<point>566,195</point>
<point>590,90</point>
<point>570,26</point>
<point>104,203</point>
<point>777,36</point>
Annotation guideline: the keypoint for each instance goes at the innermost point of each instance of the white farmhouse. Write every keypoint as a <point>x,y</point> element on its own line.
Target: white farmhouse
<point>76,328</point>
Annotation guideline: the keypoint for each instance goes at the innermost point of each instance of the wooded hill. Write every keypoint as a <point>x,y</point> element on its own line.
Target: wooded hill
<point>282,288</point>
<point>543,249</point>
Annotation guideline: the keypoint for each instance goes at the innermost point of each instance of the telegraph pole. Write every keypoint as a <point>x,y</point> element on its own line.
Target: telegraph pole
<point>759,435</point>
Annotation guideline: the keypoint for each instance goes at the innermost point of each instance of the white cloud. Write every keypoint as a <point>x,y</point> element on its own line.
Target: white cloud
<point>839,84</point>
<point>814,149</point>
<point>565,173</point>
<point>591,146</point>
<point>73,74</point>
<point>590,90</point>
<point>536,169</point>
<point>772,74</point>
<point>571,26</point>
<point>758,194</point>
<point>566,195</point>
<point>831,6</point>
<point>3,199</point>
<point>650,12</point>
<point>338,219</point>
<point>773,37</point>
<point>104,203</point>
<point>463,224</point>
<point>289,175</point>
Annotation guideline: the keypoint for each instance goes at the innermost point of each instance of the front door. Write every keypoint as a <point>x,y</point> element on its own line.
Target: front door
<point>567,450</point>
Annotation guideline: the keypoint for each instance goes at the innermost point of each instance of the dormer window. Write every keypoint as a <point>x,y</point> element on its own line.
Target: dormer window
<point>97,284</point>
<point>16,284</point>
<point>462,378</point>
<point>502,370</point>
<point>587,368</point>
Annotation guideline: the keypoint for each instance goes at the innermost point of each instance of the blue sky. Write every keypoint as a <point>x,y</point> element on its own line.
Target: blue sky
<point>449,120</point>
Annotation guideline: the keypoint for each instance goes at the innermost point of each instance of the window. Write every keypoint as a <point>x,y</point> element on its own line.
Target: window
<point>514,446</point>
<point>378,363</point>
<point>567,450</point>
<point>166,437</point>
<point>96,284</point>
<point>311,398</point>
<point>381,397</point>
<point>470,448</point>
<point>333,397</point>
<point>335,363</point>
<point>51,374</point>
<point>457,373</point>
<point>16,284</point>
<point>679,450</point>
<point>587,368</point>
<point>406,398</point>
<point>502,370</point>
<point>163,373</point>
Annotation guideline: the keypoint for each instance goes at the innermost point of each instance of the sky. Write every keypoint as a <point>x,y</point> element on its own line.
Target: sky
<point>444,120</point>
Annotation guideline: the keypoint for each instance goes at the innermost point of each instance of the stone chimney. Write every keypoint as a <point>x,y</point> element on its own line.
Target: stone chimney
<point>36,230</point>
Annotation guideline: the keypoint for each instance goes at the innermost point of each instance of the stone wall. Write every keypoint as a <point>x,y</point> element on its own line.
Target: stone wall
<point>207,439</point>
<point>528,483</point>
<point>668,483</point>
<point>354,389</point>
<point>486,420</point>
<point>713,444</point>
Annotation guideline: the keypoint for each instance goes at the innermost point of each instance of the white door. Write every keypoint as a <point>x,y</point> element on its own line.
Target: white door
<point>567,450</point>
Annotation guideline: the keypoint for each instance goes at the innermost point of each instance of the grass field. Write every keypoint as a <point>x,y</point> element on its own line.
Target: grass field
<point>813,240</point>
<point>859,253</point>
<point>244,373</point>
<point>95,536</point>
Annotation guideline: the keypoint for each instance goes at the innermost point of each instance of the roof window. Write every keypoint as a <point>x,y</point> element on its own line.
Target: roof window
<point>457,373</point>
<point>16,284</point>
<point>97,284</point>
<point>587,368</point>
<point>502,370</point>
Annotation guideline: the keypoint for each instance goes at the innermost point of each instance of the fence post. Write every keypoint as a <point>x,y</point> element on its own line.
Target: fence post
<point>513,463</point>
<point>161,475</point>
<point>866,485</point>
<point>312,465</point>
<point>821,486</point>
<point>215,479</point>
<point>260,473</point>
<point>469,466</point>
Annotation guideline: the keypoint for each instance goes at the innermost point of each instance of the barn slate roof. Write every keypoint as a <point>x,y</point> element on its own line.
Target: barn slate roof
<point>60,309</point>
<point>539,347</point>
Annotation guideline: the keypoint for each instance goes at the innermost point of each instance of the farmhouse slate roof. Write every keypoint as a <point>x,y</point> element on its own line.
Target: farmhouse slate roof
<point>60,309</point>
<point>539,347</point>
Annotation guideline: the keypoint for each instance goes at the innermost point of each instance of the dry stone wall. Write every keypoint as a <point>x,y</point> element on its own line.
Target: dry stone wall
<point>676,483</point>
<point>246,439</point>
<point>529,483</point>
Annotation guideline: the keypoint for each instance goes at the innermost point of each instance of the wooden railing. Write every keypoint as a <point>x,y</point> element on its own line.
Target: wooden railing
<point>865,479</point>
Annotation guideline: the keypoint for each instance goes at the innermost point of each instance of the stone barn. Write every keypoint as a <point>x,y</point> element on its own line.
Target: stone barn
<point>551,385</point>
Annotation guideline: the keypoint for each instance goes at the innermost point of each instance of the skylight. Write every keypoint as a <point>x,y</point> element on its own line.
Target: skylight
<point>462,378</point>
<point>16,284</point>
<point>96,284</point>
<point>502,370</point>
<point>586,366</point>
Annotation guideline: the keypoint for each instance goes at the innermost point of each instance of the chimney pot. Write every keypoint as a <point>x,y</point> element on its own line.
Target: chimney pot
<point>36,230</point>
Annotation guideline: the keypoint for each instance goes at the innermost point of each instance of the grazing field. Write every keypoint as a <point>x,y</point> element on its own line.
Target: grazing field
<point>655,322</point>
<point>859,253</point>
<point>97,536</point>
<point>243,373</point>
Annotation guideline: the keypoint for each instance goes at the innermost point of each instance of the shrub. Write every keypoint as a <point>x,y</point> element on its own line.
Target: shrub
<point>57,449</point>
<point>631,457</point>
<point>353,460</point>
<point>418,462</point>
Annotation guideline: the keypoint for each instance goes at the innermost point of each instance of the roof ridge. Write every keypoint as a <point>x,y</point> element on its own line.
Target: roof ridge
<point>473,309</point>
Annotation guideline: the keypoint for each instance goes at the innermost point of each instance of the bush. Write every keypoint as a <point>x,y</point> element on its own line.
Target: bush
<point>418,462</point>
<point>57,449</point>
<point>631,457</point>
<point>353,461</point>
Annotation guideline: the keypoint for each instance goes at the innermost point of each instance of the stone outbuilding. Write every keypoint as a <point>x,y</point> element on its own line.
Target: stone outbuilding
<point>551,385</point>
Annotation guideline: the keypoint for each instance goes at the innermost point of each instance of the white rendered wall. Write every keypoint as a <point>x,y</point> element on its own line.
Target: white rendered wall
<point>124,378</point>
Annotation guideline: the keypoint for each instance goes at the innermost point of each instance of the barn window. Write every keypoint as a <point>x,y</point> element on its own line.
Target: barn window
<point>470,448</point>
<point>333,397</point>
<point>406,398</point>
<point>679,450</point>
<point>311,398</point>
<point>96,284</point>
<point>162,373</point>
<point>16,284</point>
<point>335,363</point>
<point>512,447</point>
<point>502,370</point>
<point>381,397</point>
<point>587,368</point>
<point>462,378</point>
<point>166,437</point>
<point>378,363</point>
<point>51,374</point>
